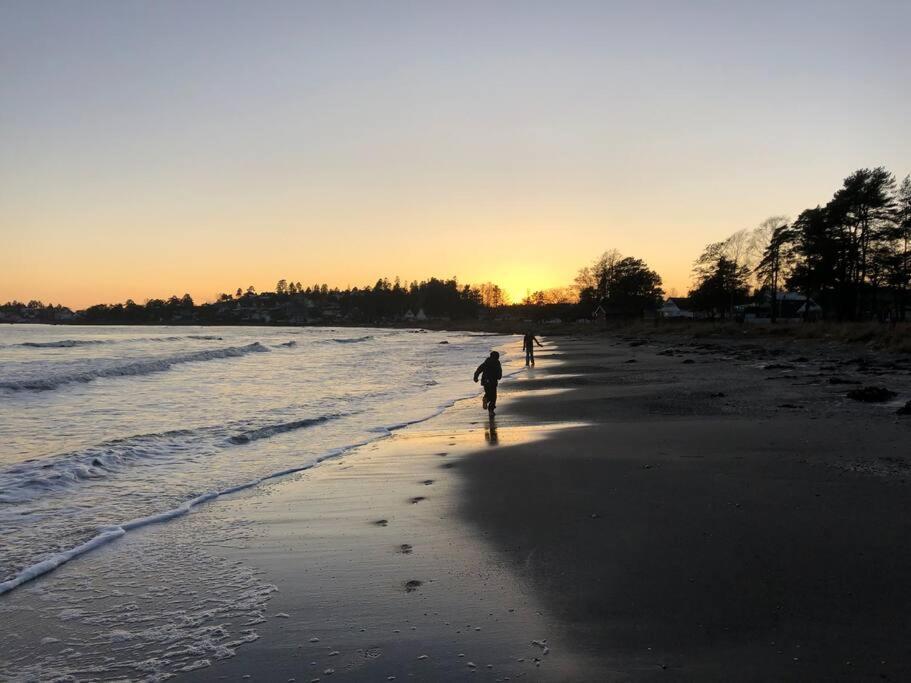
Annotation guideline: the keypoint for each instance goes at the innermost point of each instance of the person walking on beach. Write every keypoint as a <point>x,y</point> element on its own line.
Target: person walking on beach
<point>528,346</point>
<point>490,372</point>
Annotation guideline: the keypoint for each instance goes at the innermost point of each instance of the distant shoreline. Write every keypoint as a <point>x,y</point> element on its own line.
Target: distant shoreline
<point>874,335</point>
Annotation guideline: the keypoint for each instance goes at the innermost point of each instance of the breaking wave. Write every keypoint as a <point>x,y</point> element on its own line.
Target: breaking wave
<point>32,479</point>
<point>272,430</point>
<point>71,343</point>
<point>352,340</point>
<point>131,368</point>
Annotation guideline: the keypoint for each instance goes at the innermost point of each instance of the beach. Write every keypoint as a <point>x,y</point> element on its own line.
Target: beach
<point>639,509</point>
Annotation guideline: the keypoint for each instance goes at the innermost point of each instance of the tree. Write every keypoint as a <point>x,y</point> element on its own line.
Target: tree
<point>759,240</point>
<point>861,211</point>
<point>773,267</point>
<point>720,281</point>
<point>818,269</point>
<point>492,296</point>
<point>898,255</point>
<point>281,287</point>
<point>554,295</point>
<point>624,285</point>
<point>251,290</point>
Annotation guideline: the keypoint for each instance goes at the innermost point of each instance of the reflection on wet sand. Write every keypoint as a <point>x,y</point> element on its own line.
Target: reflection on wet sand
<point>490,432</point>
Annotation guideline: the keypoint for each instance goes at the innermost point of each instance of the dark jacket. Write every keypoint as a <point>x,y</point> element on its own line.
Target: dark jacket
<point>490,371</point>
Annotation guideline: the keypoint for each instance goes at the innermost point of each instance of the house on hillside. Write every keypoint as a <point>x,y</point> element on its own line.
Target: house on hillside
<point>676,307</point>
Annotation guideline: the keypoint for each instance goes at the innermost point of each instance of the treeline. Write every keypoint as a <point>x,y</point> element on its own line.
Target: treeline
<point>34,311</point>
<point>391,300</point>
<point>152,311</point>
<point>852,256</point>
<point>292,302</point>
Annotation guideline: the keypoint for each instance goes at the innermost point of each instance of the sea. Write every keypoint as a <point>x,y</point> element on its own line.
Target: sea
<point>105,430</point>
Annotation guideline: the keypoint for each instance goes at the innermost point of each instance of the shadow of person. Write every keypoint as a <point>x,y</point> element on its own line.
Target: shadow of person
<point>490,432</point>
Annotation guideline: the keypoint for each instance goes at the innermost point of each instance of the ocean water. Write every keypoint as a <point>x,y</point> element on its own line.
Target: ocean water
<point>107,429</point>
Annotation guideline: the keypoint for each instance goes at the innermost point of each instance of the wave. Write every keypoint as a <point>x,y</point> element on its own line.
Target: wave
<point>63,343</point>
<point>32,479</point>
<point>109,533</point>
<point>272,430</point>
<point>352,340</point>
<point>70,343</point>
<point>132,368</point>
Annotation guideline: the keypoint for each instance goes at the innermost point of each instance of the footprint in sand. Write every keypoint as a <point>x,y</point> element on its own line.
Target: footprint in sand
<point>443,454</point>
<point>381,522</point>
<point>449,465</point>
<point>413,585</point>
<point>427,482</point>
<point>405,548</point>
<point>417,499</point>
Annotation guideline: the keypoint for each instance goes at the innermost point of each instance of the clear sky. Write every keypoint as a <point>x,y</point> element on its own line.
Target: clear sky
<point>152,148</point>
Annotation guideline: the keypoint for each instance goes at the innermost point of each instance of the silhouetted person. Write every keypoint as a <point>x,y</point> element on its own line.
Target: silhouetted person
<point>528,346</point>
<point>490,372</point>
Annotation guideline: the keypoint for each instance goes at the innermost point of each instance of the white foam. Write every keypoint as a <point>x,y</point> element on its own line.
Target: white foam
<point>58,559</point>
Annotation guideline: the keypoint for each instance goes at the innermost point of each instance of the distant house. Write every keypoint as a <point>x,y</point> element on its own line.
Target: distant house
<point>676,307</point>
<point>792,307</point>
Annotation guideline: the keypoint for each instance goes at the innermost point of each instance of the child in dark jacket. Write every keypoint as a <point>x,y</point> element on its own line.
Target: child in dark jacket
<point>490,372</point>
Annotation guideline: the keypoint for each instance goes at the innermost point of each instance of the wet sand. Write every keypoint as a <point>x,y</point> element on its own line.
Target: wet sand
<point>640,510</point>
<point>692,512</point>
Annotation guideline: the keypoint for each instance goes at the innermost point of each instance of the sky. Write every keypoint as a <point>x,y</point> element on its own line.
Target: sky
<point>156,148</point>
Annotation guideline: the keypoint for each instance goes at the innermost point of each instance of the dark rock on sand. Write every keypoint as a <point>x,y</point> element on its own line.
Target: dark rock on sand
<point>688,361</point>
<point>413,585</point>
<point>905,409</point>
<point>871,394</point>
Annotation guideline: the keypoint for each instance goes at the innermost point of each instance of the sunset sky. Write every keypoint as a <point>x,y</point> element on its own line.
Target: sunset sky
<point>153,148</point>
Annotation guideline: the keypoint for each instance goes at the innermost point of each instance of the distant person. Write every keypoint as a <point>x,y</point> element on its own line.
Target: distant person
<point>528,346</point>
<point>490,372</point>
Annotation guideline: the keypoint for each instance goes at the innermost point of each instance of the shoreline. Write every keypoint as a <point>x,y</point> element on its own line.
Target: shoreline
<point>859,335</point>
